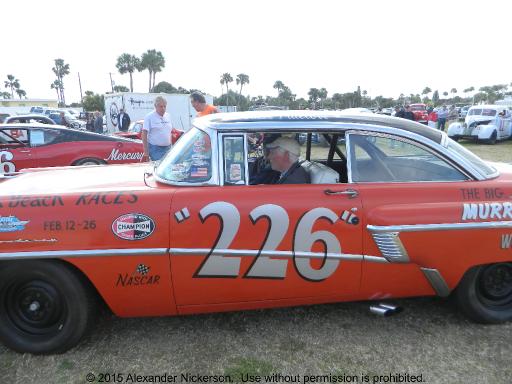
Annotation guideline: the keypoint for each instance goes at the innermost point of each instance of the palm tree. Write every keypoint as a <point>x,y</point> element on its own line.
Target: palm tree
<point>5,95</point>
<point>453,91</point>
<point>279,85</point>
<point>227,79</point>
<point>322,94</point>
<point>153,61</point>
<point>12,83</point>
<point>241,79</point>
<point>313,96</point>
<point>127,63</point>
<point>221,86</point>
<point>57,86</point>
<point>21,93</point>
<point>60,71</point>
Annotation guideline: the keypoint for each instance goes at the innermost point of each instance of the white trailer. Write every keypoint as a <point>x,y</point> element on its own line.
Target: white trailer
<point>138,105</point>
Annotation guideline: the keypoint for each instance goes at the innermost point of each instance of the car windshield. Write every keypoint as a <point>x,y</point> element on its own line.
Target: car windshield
<point>469,156</point>
<point>482,112</point>
<point>418,108</point>
<point>189,160</point>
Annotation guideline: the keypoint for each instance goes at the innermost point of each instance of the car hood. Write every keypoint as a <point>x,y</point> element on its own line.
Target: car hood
<point>58,180</point>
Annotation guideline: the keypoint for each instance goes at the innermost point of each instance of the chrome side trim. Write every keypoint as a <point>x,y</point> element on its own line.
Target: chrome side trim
<point>439,227</point>
<point>376,259</point>
<point>254,253</point>
<point>84,253</point>
<point>391,246</point>
<point>437,281</point>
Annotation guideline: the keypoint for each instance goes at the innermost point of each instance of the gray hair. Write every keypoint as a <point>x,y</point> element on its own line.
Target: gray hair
<point>160,99</point>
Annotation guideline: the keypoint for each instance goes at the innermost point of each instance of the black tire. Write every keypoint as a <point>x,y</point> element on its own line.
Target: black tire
<point>89,161</point>
<point>45,306</point>
<point>485,293</point>
<point>492,139</point>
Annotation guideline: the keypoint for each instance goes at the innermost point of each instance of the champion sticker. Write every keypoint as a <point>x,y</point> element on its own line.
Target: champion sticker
<point>133,226</point>
<point>11,224</point>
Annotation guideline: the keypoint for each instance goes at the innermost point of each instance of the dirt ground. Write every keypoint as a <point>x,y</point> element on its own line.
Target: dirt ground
<point>428,342</point>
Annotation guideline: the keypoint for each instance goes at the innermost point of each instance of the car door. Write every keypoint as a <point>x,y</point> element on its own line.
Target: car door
<point>415,203</point>
<point>50,149</point>
<point>15,150</point>
<point>242,244</point>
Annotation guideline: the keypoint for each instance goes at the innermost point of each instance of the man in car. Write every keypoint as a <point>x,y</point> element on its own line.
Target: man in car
<point>199,103</point>
<point>283,155</point>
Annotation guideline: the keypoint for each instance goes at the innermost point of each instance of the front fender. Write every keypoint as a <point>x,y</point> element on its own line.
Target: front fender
<point>455,129</point>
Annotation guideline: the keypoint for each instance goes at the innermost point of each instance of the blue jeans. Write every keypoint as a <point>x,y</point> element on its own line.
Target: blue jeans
<point>441,122</point>
<point>156,152</point>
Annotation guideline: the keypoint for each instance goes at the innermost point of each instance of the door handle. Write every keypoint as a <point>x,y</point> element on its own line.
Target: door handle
<point>351,193</point>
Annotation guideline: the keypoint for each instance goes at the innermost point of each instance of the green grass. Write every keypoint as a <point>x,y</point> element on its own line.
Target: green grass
<point>248,366</point>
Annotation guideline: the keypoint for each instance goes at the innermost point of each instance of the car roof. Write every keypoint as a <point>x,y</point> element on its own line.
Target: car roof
<point>488,106</point>
<point>33,125</point>
<point>29,116</point>
<point>279,120</point>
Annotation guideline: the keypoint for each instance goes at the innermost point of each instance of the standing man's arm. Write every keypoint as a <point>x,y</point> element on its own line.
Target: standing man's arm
<point>129,121</point>
<point>144,135</point>
<point>145,156</point>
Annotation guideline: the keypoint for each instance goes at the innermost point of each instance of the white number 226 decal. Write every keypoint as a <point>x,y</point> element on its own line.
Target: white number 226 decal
<point>218,265</point>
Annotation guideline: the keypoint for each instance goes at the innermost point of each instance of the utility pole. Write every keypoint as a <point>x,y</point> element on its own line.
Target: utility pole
<point>80,84</point>
<point>111,82</point>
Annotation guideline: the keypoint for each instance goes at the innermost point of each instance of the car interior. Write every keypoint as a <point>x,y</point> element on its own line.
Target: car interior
<point>373,158</point>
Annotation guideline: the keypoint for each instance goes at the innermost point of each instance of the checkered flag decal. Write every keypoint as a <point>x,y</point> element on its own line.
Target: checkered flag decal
<point>142,269</point>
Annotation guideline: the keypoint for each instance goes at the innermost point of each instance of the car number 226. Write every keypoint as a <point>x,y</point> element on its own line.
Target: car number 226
<point>222,262</point>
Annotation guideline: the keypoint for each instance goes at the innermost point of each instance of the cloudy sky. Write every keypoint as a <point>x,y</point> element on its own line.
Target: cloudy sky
<point>386,47</point>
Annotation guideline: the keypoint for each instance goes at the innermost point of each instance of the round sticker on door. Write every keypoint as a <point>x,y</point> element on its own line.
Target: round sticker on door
<point>133,226</point>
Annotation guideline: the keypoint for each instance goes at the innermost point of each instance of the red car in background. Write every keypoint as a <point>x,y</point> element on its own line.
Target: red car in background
<point>420,112</point>
<point>42,145</point>
<point>135,132</point>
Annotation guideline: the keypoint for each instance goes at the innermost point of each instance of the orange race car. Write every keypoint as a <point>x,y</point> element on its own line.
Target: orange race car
<point>389,208</point>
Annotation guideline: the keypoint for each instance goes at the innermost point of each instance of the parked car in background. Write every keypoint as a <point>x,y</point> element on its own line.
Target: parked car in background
<point>17,119</point>
<point>420,112</point>
<point>464,112</point>
<point>385,111</point>
<point>4,116</point>
<point>42,145</point>
<point>485,123</point>
<point>134,130</point>
<point>73,121</point>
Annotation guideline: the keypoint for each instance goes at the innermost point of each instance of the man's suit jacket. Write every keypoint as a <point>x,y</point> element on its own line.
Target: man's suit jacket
<point>123,125</point>
<point>295,175</point>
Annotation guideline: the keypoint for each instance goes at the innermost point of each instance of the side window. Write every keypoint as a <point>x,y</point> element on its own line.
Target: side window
<point>234,159</point>
<point>385,159</point>
<point>14,137</point>
<point>40,137</point>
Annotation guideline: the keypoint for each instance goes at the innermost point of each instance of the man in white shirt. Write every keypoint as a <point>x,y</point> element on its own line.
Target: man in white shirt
<point>156,131</point>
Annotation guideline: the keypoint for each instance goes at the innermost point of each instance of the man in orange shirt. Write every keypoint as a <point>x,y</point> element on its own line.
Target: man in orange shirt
<point>199,103</point>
